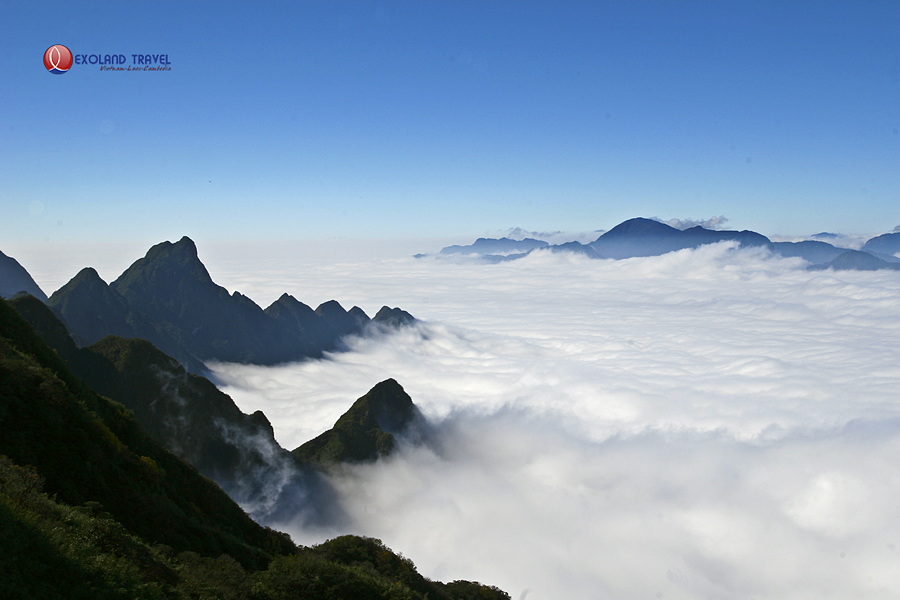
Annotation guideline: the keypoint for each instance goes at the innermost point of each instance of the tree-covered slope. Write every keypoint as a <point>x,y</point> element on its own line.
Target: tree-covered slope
<point>88,448</point>
<point>91,507</point>
<point>367,431</point>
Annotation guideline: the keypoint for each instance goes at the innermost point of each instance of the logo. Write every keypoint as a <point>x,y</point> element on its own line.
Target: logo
<point>58,59</point>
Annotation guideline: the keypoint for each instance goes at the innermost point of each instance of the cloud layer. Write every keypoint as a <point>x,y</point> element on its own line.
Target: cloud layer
<point>712,423</point>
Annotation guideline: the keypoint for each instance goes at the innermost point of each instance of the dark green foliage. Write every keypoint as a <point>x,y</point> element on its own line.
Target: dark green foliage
<point>126,519</point>
<point>366,431</point>
<point>50,550</point>
<point>90,449</point>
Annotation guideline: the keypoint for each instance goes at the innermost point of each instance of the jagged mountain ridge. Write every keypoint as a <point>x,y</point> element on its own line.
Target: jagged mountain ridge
<point>169,298</point>
<point>648,237</point>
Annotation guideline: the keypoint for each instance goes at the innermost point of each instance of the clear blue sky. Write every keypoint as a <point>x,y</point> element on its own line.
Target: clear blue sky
<point>299,120</point>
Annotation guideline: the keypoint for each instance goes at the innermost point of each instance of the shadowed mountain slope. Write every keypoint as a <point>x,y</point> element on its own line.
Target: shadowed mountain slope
<point>393,317</point>
<point>173,288</point>
<point>855,260</point>
<point>14,279</point>
<point>169,298</point>
<point>90,449</point>
<point>127,519</point>
<point>191,418</point>
<point>367,431</point>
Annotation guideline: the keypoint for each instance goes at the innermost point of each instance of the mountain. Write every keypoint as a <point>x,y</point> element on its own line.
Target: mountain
<point>576,248</point>
<point>14,279</point>
<point>91,507</point>
<point>368,430</point>
<point>889,244</point>
<point>87,448</point>
<point>174,290</point>
<point>393,317</point>
<point>197,422</point>
<point>193,419</point>
<point>856,260</point>
<point>812,251</point>
<point>168,298</point>
<point>649,237</point>
<point>497,246</point>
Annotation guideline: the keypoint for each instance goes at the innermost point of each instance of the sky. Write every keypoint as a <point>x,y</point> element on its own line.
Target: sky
<point>717,423</point>
<point>712,423</point>
<point>435,120</point>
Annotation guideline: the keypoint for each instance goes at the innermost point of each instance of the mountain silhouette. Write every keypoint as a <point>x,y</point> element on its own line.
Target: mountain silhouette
<point>14,279</point>
<point>168,298</point>
<point>369,429</point>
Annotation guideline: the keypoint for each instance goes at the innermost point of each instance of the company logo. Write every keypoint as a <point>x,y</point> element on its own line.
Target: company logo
<point>58,59</point>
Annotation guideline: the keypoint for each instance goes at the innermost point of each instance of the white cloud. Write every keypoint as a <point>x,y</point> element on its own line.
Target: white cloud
<point>710,223</point>
<point>552,237</point>
<point>712,423</point>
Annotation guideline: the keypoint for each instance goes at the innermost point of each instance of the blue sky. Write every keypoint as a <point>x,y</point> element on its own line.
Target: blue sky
<point>316,120</point>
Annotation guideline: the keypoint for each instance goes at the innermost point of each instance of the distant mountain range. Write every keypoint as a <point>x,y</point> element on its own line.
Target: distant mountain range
<point>648,237</point>
<point>168,298</point>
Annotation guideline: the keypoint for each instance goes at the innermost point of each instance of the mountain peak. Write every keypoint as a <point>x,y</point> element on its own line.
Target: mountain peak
<point>186,244</point>
<point>14,278</point>
<point>366,431</point>
<point>640,226</point>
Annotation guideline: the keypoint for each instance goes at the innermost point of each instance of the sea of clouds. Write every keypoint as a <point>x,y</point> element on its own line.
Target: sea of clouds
<point>712,423</point>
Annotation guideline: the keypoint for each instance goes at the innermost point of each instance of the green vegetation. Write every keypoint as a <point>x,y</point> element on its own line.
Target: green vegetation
<point>92,507</point>
<point>365,432</point>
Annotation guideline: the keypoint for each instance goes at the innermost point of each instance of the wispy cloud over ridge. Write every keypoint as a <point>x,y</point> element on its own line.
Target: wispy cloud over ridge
<point>710,223</point>
<point>712,423</point>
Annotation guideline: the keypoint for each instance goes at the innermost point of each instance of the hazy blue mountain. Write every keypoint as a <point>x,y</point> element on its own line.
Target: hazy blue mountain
<point>856,260</point>
<point>14,279</point>
<point>813,251</point>
<point>577,248</point>
<point>649,237</point>
<point>889,244</point>
<point>496,246</point>
<point>367,431</point>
